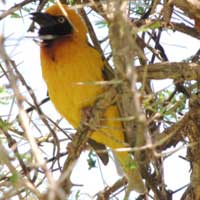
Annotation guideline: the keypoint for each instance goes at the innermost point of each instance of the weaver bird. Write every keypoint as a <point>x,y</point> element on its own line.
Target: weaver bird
<point>67,60</point>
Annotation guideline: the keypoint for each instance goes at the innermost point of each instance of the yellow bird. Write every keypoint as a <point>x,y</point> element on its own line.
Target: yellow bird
<point>68,60</point>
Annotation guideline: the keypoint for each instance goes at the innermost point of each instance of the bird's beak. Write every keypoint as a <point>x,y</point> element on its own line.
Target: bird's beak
<point>43,19</point>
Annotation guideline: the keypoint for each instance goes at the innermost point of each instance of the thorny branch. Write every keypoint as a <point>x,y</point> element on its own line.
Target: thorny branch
<point>24,121</point>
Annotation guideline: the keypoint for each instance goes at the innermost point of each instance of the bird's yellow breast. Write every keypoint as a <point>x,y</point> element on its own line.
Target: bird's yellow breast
<point>67,68</point>
<point>68,65</point>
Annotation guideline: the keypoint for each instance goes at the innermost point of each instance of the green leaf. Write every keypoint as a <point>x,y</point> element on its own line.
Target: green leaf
<point>4,125</point>
<point>151,26</point>
<point>91,159</point>
<point>140,10</point>
<point>101,24</point>
<point>14,178</point>
<point>72,2</point>
<point>4,95</point>
<point>77,196</point>
<point>15,15</point>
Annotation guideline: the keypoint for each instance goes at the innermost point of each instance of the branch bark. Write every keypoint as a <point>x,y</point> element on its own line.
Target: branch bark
<point>124,47</point>
<point>172,70</point>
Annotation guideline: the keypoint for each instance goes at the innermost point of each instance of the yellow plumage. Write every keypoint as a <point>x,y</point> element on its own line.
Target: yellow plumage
<point>66,64</point>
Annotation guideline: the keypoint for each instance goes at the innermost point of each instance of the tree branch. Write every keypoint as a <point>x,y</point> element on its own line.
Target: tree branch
<point>15,8</point>
<point>173,70</point>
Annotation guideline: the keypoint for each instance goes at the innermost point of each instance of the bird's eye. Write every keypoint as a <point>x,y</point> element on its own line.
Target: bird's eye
<point>61,19</point>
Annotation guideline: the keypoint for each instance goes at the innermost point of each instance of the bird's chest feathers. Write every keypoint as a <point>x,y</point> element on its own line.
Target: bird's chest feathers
<point>71,64</point>
<point>69,72</point>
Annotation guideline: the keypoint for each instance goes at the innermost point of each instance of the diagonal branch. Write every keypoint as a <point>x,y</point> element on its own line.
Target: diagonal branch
<point>15,8</point>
